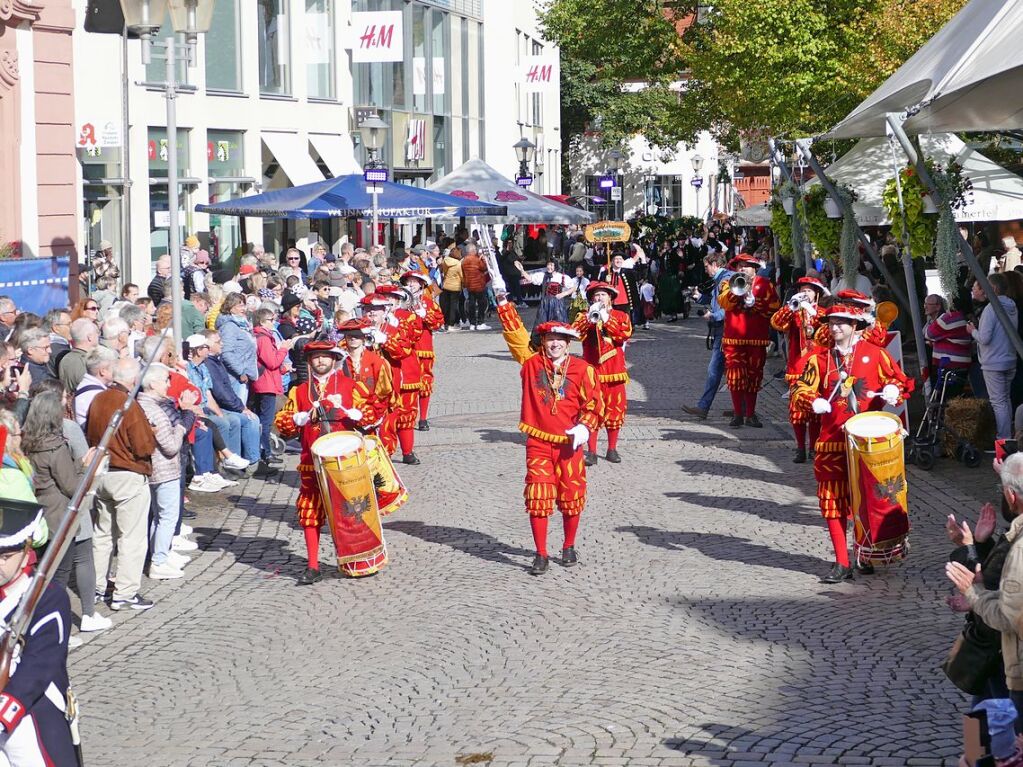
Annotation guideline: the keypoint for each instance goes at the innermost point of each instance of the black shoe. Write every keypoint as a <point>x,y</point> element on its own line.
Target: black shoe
<point>590,459</point>
<point>264,470</point>
<point>810,453</point>
<point>137,602</point>
<point>188,514</point>
<point>424,425</point>
<point>736,422</point>
<point>540,565</point>
<point>568,557</point>
<point>837,574</point>
<point>309,577</point>
<point>752,420</point>
<point>613,457</point>
<point>273,459</point>
<point>800,456</point>
<point>865,569</point>
<point>694,410</point>
<point>410,459</point>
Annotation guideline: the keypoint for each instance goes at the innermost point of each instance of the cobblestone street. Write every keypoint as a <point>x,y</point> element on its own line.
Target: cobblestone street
<point>693,633</point>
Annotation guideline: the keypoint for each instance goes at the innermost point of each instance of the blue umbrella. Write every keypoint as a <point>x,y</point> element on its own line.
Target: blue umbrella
<point>346,197</point>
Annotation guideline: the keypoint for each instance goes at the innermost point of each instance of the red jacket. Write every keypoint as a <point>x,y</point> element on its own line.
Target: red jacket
<point>800,329</point>
<point>432,321</point>
<point>748,325</point>
<point>604,347</point>
<point>474,274</point>
<point>269,360</point>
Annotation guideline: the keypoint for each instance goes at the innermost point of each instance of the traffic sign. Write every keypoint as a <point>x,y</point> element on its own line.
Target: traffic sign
<point>616,193</point>
<point>697,182</point>
<point>523,180</point>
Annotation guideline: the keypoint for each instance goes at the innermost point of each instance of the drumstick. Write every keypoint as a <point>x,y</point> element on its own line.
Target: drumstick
<point>842,375</point>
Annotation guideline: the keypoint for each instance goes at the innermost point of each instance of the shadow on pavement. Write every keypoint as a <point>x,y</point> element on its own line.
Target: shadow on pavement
<point>471,542</point>
<point>270,555</point>
<point>500,435</point>
<point>727,548</point>
<point>767,510</point>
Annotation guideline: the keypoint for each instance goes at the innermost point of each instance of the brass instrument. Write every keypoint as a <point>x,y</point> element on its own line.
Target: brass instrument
<point>739,285</point>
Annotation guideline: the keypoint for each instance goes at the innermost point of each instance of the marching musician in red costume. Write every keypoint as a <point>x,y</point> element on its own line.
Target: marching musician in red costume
<point>746,336</point>
<point>604,331</point>
<point>851,376</point>
<point>398,330</point>
<point>429,313</point>
<point>561,407</point>
<point>346,405</point>
<point>800,318</point>
<point>367,367</point>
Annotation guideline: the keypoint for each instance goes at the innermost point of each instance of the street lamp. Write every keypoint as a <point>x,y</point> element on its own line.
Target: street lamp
<point>375,172</point>
<point>697,161</point>
<point>191,18</point>
<point>616,162</point>
<point>524,149</point>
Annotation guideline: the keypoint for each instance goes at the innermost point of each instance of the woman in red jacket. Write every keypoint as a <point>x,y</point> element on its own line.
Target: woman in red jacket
<point>271,358</point>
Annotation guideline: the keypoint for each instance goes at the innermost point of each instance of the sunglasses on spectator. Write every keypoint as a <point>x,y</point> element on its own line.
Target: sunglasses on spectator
<point>92,308</point>
<point>294,258</point>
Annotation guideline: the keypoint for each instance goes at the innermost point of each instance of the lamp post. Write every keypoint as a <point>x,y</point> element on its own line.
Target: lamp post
<point>375,171</point>
<point>524,149</point>
<point>191,18</point>
<point>616,157</point>
<point>697,161</point>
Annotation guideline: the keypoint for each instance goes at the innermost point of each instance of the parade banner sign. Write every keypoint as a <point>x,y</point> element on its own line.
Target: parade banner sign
<point>608,231</point>
<point>376,36</point>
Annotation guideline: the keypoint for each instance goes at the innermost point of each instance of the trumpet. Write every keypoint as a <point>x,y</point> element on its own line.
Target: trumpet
<point>593,315</point>
<point>738,284</point>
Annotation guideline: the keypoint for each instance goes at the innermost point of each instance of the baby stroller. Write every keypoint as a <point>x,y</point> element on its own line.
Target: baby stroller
<point>926,445</point>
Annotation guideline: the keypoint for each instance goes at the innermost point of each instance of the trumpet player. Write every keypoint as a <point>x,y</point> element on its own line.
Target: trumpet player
<point>423,306</point>
<point>748,301</point>
<point>604,331</point>
<point>799,319</point>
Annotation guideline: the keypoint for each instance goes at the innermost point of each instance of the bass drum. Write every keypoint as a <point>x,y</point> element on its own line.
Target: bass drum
<point>350,502</point>
<point>391,491</point>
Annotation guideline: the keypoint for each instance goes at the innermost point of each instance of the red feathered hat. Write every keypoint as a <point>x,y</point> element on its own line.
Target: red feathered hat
<point>855,298</point>
<point>313,348</point>
<point>354,327</point>
<point>854,314</point>
<point>595,285</point>
<point>557,328</point>
<point>744,259</point>
<point>423,278</point>
<point>813,282</point>
<point>374,301</point>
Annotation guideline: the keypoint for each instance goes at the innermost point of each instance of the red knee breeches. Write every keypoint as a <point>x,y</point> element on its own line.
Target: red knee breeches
<point>744,367</point>
<point>309,504</point>
<point>555,474</point>
<point>832,474</point>
<point>615,404</point>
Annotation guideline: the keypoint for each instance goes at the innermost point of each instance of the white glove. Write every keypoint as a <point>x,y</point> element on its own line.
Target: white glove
<point>579,434</point>
<point>605,315</point>
<point>749,299</point>
<point>421,310</point>
<point>393,321</point>
<point>821,406</point>
<point>379,336</point>
<point>807,307</point>
<point>300,418</point>
<point>334,399</point>
<point>890,394</point>
<point>354,414</point>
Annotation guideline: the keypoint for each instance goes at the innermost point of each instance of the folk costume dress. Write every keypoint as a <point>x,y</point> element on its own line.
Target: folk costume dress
<point>747,333</point>
<point>604,348</point>
<point>552,306</point>
<point>553,401</point>
<point>851,382</point>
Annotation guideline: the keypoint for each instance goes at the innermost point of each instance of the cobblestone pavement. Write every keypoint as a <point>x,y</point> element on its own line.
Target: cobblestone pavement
<point>693,633</point>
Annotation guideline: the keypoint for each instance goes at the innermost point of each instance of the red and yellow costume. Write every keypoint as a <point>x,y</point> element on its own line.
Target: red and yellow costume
<point>432,319</point>
<point>604,348</point>
<point>403,329</point>
<point>747,333</point>
<point>554,400</point>
<point>371,370</point>
<point>800,326</point>
<point>300,400</point>
<point>867,369</point>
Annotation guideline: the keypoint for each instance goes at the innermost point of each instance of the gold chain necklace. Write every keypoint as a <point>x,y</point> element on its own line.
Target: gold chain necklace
<point>555,382</point>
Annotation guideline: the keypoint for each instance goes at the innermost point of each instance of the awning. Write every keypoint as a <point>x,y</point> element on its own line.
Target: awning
<point>337,152</point>
<point>289,149</point>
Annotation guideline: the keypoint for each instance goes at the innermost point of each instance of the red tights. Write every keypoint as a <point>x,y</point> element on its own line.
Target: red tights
<point>539,525</point>
<point>312,546</point>
<point>836,528</point>
<point>424,406</point>
<point>612,440</point>
<point>744,403</point>
<point>407,440</point>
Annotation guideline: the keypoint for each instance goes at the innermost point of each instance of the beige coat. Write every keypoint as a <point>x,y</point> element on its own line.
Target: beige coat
<point>1002,610</point>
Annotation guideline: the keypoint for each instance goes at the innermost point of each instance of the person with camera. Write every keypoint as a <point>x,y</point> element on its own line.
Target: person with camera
<point>604,332</point>
<point>714,266</point>
<point>749,302</point>
<point>799,319</point>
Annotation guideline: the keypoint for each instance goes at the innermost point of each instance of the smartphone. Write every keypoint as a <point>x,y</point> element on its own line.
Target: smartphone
<point>1004,448</point>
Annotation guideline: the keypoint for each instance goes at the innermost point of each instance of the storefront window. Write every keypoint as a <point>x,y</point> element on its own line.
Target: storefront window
<point>223,53</point>
<point>440,148</point>
<point>319,48</point>
<point>439,54</point>
<point>274,47</point>
<point>159,208</point>
<point>421,68</point>
<point>226,161</point>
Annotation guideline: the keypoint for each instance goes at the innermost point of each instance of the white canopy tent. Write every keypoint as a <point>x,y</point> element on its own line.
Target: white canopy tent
<point>475,180</point>
<point>997,194</point>
<point>967,77</point>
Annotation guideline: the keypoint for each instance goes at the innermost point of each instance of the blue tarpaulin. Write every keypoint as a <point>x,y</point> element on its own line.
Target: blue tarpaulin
<point>346,197</point>
<point>35,284</point>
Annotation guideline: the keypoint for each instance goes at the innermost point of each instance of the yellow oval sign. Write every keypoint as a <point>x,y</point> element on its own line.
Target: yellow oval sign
<point>608,231</point>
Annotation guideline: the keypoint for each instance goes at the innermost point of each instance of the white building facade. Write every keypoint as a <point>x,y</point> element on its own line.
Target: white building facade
<point>274,101</point>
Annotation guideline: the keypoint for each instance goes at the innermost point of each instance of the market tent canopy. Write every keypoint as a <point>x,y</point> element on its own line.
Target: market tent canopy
<point>967,77</point>
<point>475,180</point>
<point>997,194</point>
<point>346,197</point>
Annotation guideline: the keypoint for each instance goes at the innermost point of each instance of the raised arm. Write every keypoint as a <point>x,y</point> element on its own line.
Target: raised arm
<point>515,334</point>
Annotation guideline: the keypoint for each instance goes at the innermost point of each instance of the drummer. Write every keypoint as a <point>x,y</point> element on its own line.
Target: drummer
<point>326,402</point>
<point>852,376</point>
<point>366,366</point>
